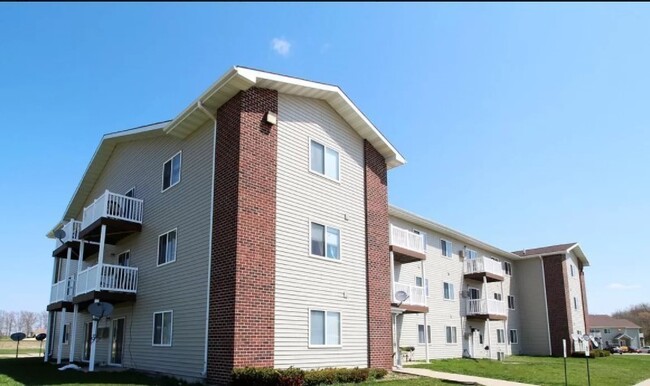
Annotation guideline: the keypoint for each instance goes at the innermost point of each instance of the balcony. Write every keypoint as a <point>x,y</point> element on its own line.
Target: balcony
<point>407,246</point>
<point>122,216</point>
<point>483,267</point>
<point>70,240</point>
<point>416,300</point>
<point>61,294</point>
<point>486,309</point>
<point>106,282</point>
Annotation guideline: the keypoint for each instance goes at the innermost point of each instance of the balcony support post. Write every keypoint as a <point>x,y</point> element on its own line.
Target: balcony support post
<point>489,337</point>
<point>100,255</point>
<point>426,328</point>
<point>73,332</point>
<point>59,352</point>
<point>392,274</point>
<point>67,273</point>
<point>93,344</point>
<point>46,355</point>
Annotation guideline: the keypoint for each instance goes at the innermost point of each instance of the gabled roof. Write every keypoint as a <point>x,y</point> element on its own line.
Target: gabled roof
<point>242,78</point>
<point>442,229</point>
<point>606,321</point>
<point>554,250</point>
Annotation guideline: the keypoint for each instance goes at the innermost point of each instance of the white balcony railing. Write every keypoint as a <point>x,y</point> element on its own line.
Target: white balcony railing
<point>62,291</point>
<point>483,264</point>
<point>112,205</point>
<point>406,239</point>
<point>71,229</point>
<point>486,307</point>
<point>416,295</point>
<point>107,277</point>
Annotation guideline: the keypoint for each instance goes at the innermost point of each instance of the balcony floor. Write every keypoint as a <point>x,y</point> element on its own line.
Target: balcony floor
<point>62,251</point>
<point>116,230</point>
<point>411,309</point>
<point>487,316</point>
<point>404,255</point>
<point>58,306</point>
<point>104,296</point>
<point>478,276</point>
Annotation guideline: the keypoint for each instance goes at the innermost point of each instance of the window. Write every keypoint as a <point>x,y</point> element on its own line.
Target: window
<point>445,247</point>
<point>418,283</point>
<point>172,172</point>
<point>448,291</point>
<point>507,267</point>
<point>607,331</point>
<point>325,241</point>
<point>470,254</point>
<point>497,296</point>
<point>124,258</point>
<point>501,336</point>
<point>167,247</point>
<point>324,328</point>
<point>451,334</point>
<point>324,160</point>
<point>66,333</point>
<point>511,302</point>
<point>162,328</point>
<point>421,333</point>
<point>575,302</point>
<point>130,192</point>
<point>514,339</point>
<point>480,338</point>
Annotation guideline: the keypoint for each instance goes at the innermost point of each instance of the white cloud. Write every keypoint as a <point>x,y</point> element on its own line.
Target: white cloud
<point>281,46</point>
<point>623,287</point>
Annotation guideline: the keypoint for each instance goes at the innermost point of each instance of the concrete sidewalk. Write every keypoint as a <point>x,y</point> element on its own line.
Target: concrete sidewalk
<point>643,383</point>
<point>459,377</point>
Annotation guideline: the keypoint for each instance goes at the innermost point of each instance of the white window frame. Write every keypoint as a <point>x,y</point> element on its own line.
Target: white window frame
<point>516,340</point>
<point>66,333</point>
<point>454,335</point>
<point>427,334</point>
<point>158,264</point>
<point>575,303</point>
<point>122,253</point>
<point>507,268</point>
<point>324,224</point>
<point>449,247</point>
<point>309,344</point>
<point>424,237</point>
<point>451,291</point>
<point>180,172</point>
<point>153,329</point>
<point>501,335</point>
<point>425,285</point>
<point>498,296</point>
<point>514,304</point>
<point>469,291</point>
<point>467,253</point>
<point>571,268</point>
<point>325,147</point>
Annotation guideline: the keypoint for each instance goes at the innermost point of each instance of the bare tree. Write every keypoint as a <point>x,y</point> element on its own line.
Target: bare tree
<point>639,314</point>
<point>11,319</point>
<point>2,323</point>
<point>43,319</point>
<point>27,321</point>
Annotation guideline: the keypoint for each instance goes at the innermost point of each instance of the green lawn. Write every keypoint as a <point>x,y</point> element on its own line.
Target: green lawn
<point>4,351</point>
<point>617,370</point>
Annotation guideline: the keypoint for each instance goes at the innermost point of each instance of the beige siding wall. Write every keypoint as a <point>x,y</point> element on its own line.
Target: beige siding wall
<point>577,314</point>
<point>302,281</point>
<point>532,308</point>
<point>180,286</point>
<point>442,313</point>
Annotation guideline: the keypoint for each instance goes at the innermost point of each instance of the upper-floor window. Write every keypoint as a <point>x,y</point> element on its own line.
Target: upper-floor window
<point>497,296</point>
<point>607,331</point>
<point>419,283</point>
<point>448,289</point>
<point>167,247</point>
<point>445,247</point>
<point>421,338</point>
<point>162,328</point>
<point>511,302</point>
<point>575,302</point>
<point>124,259</point>
<point>501,335</point>
<point>325,241</point>
<point>324,328</point>
<point>507,268</point>
<point>451,334</point>
<point>571,268</point>
<point>171,172</point>
<point>470,254</point>
<point>324,160</point>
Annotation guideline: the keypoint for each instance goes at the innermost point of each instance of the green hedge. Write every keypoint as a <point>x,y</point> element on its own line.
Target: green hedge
<point>266,376</point>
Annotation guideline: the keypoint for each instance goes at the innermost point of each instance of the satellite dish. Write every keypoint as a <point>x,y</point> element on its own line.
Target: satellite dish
<point>18,336</point>
<point>100,310</point>
<point>593,340</point>
<point>40,337</point>
<point>401,296</point>
<point>59,234</point>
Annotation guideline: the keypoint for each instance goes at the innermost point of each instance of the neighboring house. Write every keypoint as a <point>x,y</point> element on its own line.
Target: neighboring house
<point>556,308</point>
<point>254,230</point>
<point>610,331</point>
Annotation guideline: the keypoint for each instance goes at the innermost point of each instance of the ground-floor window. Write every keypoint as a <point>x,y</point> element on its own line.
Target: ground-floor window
<point>501,336</point>
<point>162,328</point>
<point>66,333</point>
<point>324,328</point>
<point>451,334</point>
<point>421,339</point>
<point>514,338</point>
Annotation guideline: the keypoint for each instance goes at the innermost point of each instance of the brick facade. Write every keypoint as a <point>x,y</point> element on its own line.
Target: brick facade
<point>242,280</point>
<point>559,302</point>
<point>380,341</point>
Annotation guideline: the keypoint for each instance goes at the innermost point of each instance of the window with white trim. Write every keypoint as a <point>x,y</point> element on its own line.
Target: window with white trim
<point>324,160</point>
<point>162,328</point>
<point>325,241</point>
<point>607,331</point>
<point>324,328</point>
<point>167,247</point>
<point>448,291</point>
<point>501,336</point>
<point>514,338</point>
<point>124,259</point>
<point>507,267</point>
<point>497,296</point>
<point>421,333</point>
<point>511,302</point>
<point>571,267</point>
<point>575,302</point>
<point>470,254</point>
<point>66,333</point>
<point>171,172</point>
<point>418,283</point>
<point>450,332</point>
<point>445,247</point>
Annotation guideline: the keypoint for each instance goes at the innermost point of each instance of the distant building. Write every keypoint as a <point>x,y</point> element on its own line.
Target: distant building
<point>611,331</point>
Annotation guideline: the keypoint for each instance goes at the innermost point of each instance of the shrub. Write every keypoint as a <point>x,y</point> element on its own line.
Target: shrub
<point>581,354</point>
<point>255,376</point>
<point>377,373</point>
<point>291,377</point>
<point>265,376</point>
<point>601,353</point>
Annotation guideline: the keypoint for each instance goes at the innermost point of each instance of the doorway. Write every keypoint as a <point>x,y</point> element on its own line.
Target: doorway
<point>117,341</point>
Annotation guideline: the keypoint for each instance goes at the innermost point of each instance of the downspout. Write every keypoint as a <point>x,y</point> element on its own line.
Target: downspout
<point>548,325</point>
<point>200,106</point>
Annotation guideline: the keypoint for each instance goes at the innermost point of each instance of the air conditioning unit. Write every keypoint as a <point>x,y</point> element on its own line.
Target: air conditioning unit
<point>464,294</point>
<point>461,253</point>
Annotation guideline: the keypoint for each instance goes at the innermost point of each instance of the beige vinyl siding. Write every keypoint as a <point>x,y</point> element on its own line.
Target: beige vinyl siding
<point>302,281</point>
<point>179,286</point>
<point>532,308</point>
<point>442,312</point>
<point>577,315</point>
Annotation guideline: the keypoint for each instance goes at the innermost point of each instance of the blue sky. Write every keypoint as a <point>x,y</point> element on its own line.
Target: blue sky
<point>523,124</point>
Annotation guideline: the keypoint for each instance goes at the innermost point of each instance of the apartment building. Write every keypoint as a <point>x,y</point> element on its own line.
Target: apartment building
<point>254,230</point>
<point>610,331</point>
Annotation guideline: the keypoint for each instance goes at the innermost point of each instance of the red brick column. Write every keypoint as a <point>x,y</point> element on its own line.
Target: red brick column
<point>242,280</point>
<point>558,301</point>
<point>380,332</point>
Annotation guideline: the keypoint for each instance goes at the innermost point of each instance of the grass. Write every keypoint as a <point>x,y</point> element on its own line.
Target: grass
<point>27,346</point>
<point>614,370</point>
